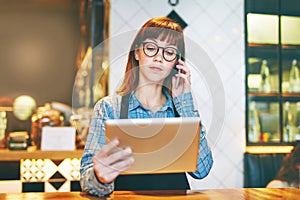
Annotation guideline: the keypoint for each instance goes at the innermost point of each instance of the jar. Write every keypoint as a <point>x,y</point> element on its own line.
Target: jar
<point>3,126</point>
<point>44,116</point>
<point>81,120</point>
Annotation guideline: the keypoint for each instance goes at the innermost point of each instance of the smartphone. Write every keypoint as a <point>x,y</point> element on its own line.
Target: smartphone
<point>178,72</point>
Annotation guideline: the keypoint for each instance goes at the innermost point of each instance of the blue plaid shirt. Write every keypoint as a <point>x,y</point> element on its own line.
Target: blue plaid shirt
<point>109,108</point>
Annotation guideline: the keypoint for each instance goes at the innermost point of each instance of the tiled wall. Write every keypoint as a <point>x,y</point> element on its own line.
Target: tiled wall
<point>216,26</point>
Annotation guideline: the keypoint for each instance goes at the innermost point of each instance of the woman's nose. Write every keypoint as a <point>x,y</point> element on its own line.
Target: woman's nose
<point>159,56</point>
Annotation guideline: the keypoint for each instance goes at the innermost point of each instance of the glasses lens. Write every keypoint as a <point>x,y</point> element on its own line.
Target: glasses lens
<point>150,49</point>
<point>170,53</point>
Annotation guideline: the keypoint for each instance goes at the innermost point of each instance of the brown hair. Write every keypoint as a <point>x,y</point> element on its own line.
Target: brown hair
<point>289,171</point>
<point>162,28</point>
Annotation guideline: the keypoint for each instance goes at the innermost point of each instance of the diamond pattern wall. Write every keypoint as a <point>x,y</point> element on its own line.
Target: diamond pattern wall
<point>217,26</point>
<point>55,175</point>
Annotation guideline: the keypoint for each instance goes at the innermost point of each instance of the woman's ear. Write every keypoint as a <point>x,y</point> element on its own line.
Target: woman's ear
<point>136,55</point>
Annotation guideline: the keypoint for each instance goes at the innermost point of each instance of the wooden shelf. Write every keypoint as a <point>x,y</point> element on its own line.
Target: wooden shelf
<point>291,94</point>
<point>263,94</point>
<point>16,155</point>
<point>268,149</point>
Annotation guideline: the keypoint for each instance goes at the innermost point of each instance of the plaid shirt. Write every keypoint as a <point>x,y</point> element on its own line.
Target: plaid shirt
<point>109,108</point>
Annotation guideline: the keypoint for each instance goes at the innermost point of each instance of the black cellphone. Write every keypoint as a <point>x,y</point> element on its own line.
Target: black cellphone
<point>177,71</point>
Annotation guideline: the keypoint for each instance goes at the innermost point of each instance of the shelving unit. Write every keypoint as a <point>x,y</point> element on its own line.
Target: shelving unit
<point>17,155</point>
<point>272,30</point>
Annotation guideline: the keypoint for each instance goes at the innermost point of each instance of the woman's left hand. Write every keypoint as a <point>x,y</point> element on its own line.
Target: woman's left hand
<point>184,79</point>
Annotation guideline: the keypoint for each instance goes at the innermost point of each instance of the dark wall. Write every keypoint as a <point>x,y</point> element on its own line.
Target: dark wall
<point>39,41</point>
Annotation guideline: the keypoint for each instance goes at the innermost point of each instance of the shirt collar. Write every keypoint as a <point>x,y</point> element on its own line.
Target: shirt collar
<point>134,102</point>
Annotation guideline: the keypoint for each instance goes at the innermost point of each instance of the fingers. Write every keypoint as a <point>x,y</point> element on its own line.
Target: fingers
<point>109,173</point>
<point>123,164</point>
<point>112,156</point>
<point>118,155</point>
<point>108,148</point>
<point>115,170</point>
<point>184,78</point>
<point>182,66</point>
<point>111,160</point>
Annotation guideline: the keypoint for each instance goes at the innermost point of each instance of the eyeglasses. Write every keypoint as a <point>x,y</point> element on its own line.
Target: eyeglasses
<point>151,49</point>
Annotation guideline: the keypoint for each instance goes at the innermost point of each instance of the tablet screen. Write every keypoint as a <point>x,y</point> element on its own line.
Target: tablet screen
<point>160,145</point>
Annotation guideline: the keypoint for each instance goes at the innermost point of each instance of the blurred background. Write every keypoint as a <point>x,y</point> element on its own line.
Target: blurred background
<point>49,51</point>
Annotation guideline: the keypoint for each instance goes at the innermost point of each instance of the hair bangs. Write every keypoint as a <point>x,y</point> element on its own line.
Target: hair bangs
<point>164,34</point>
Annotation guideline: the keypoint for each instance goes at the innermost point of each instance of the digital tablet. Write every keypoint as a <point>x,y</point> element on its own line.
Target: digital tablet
<point>159,145</point>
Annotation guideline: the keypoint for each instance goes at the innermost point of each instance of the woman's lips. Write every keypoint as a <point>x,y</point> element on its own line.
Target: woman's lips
<point>157,69</point>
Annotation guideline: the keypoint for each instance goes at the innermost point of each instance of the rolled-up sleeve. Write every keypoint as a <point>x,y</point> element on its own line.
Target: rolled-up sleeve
<point>184,105</point>
<point>205,159</point>
<point>96,139</point>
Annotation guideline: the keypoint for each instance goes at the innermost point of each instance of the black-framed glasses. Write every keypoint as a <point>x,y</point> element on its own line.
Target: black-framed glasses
<point>151,49</point>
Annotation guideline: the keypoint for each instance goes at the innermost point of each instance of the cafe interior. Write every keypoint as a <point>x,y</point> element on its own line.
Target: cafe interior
<point>59,57</point>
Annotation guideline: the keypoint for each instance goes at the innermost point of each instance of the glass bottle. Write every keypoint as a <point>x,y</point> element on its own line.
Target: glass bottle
<point>289,128</point>
<point>81,119</point>
<point>45,116</point>
<point>254,125</point>
<point>294,82</point>
<point>265,85</point>
<point>297,134</point>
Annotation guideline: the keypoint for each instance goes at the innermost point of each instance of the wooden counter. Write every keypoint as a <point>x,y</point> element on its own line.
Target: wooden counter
<point>223,194</point>
<point>35,170</point>
<point>17,155</point>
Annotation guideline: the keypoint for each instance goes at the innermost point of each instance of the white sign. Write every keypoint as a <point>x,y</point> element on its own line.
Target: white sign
<point>58,139</point>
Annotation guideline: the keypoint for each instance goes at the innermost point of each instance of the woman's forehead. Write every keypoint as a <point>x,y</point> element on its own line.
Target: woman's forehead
<point>170,39</point>
<point>168,35</point>
<point>160,42</point>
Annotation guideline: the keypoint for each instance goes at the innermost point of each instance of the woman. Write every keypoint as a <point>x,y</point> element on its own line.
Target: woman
<point>289,173</point>
<point>151,88</point>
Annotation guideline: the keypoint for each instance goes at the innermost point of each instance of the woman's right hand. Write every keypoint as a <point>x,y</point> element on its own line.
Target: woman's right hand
<point>111,160</point>
<point>184,79</point>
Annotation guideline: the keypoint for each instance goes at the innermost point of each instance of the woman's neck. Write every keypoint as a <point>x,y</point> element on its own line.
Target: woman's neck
<point>151,96</point>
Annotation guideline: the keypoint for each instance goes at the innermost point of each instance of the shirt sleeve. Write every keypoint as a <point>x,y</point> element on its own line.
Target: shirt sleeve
<point>96,139</point>
<point>205,159</point>
<point>184,105</point>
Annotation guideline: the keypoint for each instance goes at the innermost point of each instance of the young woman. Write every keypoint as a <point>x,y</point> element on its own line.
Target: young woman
<point>151,88</point>
<point>289,173</point>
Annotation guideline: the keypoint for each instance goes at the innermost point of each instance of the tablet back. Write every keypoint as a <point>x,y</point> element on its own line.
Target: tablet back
<point>160,145</point>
